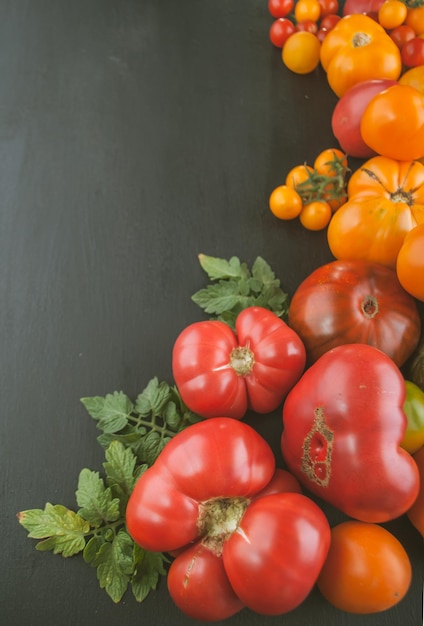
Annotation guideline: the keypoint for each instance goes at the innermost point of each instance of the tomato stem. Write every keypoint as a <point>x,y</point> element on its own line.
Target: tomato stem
<point>369,307</point>
<point>242,360</point>
<point>218,519</point>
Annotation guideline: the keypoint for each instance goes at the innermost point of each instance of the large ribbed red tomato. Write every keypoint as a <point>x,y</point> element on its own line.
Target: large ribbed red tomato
<point>355,301</point>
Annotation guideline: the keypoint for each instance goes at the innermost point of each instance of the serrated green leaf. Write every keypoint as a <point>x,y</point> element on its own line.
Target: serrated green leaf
<point>119,467</point>
<point>150,447</point>
<point>92,548</point>
<point>152,400</point>
<point>217,298</point>
<point>64,530</point>
<point>96,501</point>
<point>114,562</point>
<point>262,271</point>
<point>148,567</point>
<point>217,268</point>
<point>111,412</point>
<point>171,416</point>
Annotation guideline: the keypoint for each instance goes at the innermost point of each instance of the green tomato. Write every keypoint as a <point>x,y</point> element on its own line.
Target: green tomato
<point>413,408</point>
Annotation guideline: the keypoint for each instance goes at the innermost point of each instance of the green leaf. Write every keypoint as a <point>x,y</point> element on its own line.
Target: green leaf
<point>64,530</point>
<point>217,298</point>
<point>119,466</point>
<point>153,398</point>
<point>111,412</point>
<point>148,567</point>
<point>151,446</point>
<point>217,268</point>
<point>92,548</point>
<point>262,272</point>
<point>96,501</point>
<point>114,562</point>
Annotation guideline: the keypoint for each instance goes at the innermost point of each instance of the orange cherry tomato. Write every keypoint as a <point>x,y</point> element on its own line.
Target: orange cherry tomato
<point>358,49</point>
<point>367,569</point>
<point>285,203</point>
<point>392,13</point>
<point>330,162</point>
<point>386,201</point>
<point>393,123</point>
<point>414,78</point>
<point>416,512</point>
<point>300,52</point>
<point>415,19</point>
<point>298,174</point>
<point>315,215</point>
<point>410,263</point>
<point>307,10</point>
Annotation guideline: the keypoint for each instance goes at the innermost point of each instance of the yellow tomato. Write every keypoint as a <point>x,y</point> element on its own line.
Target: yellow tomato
<point>301,52</point>
<point>414,78</point>
<point>316,215</point>
<point>285,203</point>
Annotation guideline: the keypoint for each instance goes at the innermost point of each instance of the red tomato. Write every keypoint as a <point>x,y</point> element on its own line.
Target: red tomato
<point>329,7</point>
<point>362,6</point>
<point>280,8</point>
<point>343,424</point>
<point>402,34</point>
<point>355,302</point>
<point>206,498</point>
<point>412,52</point>
<point>222,372</point>
<point>307,25</point>
<point>329,21</point>
<point>280,31</point>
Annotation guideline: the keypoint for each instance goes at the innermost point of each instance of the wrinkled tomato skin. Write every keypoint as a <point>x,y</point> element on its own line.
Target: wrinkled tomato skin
<point>208,383</point>
<point>355,302</point>
<point>199,586</point>
<point>343,425</point>
<point>282,544</point>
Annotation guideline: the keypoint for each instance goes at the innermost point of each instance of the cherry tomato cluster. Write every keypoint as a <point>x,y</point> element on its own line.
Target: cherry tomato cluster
<point>406,28</point>
<point>312,193</point>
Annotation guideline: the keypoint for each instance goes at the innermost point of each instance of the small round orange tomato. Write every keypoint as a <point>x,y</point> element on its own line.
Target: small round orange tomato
<point>307,10</point>
<point>298,174</point>
<point>416,512</point>
<point>414,78</point>
<point>330,161</point>
<point>315,215</point>
<point>300,53</point>
<point>393,123</point>
<point>367,569</point>
<point>410,263</point>
<point>358,49</point>
<point>285,203</point>
<point>415,19</point>
<point>392,13</point>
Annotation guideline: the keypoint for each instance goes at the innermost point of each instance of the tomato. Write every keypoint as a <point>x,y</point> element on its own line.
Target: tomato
<point>412,52</point>
<point>301,52</point>
<point>328,7</point>
<point>298,174</point>
<point>416,512</point>
<point>410,263</point>
<point>315,215</point>
<point>392,13</point>
<point>307,25</point>
<point>393,123</point>
<point>386,200</point>
<point>328,161</point>
<point>285,203</point>
<point>401,34</point>
<point>307,10</point>
<point>280,31</point>
<point>222,372</point>
<point>414,77</point>
<point>206,497</point>
<point>367,569</point>
<point>415,19</point>
<point>280,8</point>
<point>329,21</point>
<point>413,407</point>
<point>355,302</point>
<point>352,7</point>
<point>342,425</point>
<point>358,49</point>
<point>347,115</point>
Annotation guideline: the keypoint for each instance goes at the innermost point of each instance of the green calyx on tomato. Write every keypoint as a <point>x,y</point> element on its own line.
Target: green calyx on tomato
<point>413,407</point>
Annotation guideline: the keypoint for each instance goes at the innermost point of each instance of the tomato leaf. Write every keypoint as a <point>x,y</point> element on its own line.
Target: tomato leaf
<point>114,562</point>
<point>96,501</point>
<point>148,567</point>
<point>111,412</point>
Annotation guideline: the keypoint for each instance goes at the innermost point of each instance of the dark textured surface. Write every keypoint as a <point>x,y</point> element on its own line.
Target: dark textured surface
<point>134,134</point>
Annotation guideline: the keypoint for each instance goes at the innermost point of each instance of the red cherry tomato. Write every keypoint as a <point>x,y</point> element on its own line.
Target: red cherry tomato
<point>280,31</point>
<point>329,7</point>
<point>307,25</point>
<point>412,52</point>
<point>401,34</point>
<point>280,8</point>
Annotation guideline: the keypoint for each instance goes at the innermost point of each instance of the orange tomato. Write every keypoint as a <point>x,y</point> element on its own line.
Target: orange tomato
<point>416,512</point>
<point>392,13</point>
<point>285,203</point>
<point>358,49</point>
<point>300,52</point>
<point>415,19</point>
<point>410,263</point>
<point>330,162</point>
<point>307,10</point>
<point>386,201</point>
<point>298,174</point>
<point>367,569</point>
<point>414,78</point>
<point>393,123</point>
<point>315,215</point>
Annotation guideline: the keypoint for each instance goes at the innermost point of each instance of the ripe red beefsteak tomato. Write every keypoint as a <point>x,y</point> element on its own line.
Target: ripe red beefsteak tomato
<point>343,425</point>
<point>222,372</point>
<point>355,301</point>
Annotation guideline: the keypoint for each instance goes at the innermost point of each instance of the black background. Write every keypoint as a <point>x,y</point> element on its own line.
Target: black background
<point>134,134</point>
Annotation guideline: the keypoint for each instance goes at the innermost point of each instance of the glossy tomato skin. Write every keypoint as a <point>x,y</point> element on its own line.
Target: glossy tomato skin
<point>222,372</point>
<point>212,483</point>
<point>355,302</point>
<point>410,263</point>
<point>347,114</point>
<point>275,559</point>
<point>343,424</point>
<point>352,7</point>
